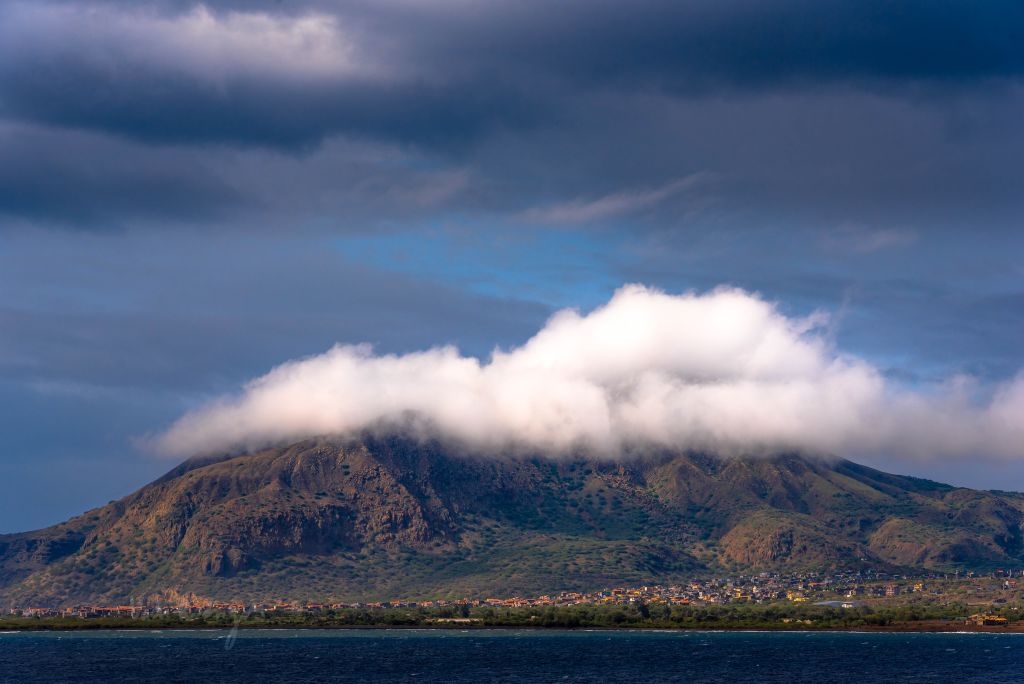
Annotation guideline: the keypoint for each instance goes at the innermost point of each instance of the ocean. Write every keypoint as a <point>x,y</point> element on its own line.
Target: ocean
<point>508,656</point>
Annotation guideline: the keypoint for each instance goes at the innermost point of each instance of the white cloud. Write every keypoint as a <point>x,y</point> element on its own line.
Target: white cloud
<point>723,371</point>
<point>585,210</point>
<point>857,239</point>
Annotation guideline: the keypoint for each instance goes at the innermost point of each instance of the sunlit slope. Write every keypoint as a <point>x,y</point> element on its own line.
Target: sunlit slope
<point>391,518</point>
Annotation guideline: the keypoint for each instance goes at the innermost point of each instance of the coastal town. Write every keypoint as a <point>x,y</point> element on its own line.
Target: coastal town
<point>839,590</point>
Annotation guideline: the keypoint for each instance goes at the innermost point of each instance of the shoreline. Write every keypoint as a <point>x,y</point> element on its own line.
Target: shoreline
<point>918,627</point>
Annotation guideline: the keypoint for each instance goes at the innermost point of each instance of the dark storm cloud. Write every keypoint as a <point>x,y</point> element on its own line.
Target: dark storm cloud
<point>82,179</point>
<point>444,74</point>
<point>86,180</point>
<point>694,47</point>
<point>251,115</point>
<point>168,108</point>
<point>254,77</point>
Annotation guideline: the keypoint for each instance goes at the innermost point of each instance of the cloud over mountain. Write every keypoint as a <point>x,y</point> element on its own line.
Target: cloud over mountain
<point>724,371</point>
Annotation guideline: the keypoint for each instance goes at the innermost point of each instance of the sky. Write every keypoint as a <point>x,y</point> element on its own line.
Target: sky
<point>192,195</point>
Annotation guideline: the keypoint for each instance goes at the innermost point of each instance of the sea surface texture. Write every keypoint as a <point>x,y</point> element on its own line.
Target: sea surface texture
<point>508,656</point>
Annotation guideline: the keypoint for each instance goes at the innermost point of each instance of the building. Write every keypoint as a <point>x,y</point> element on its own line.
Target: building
<point>989,620</point>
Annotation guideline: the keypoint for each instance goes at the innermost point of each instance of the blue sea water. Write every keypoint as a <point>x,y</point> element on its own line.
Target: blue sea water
<point>508,656</point>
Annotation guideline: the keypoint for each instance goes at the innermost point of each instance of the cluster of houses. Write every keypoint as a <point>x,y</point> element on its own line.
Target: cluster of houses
<point>128,611</point>
<point>763,588</point>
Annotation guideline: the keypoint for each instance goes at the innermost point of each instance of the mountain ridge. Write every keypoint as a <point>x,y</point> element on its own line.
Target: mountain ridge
<point>389,517</point>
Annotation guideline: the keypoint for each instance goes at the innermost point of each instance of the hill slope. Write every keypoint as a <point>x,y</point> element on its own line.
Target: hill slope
<point>389,518</point>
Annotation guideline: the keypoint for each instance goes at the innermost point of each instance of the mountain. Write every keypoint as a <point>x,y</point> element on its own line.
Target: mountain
<point>395,518</point>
